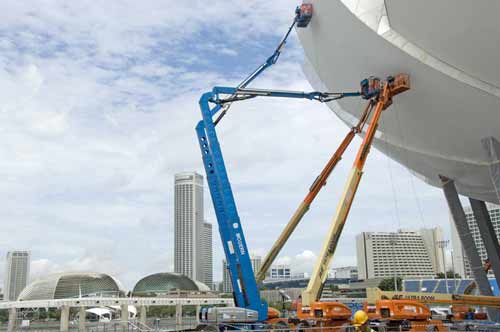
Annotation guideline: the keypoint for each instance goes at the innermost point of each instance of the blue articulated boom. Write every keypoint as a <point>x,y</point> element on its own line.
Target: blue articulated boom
<point>245,290</point>
<point>246,293</point>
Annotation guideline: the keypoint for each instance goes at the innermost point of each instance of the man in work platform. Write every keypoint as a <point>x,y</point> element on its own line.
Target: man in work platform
<point>360,322</point>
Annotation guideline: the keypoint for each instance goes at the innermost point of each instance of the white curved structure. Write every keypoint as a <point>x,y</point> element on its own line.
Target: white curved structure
<point>449,49</point>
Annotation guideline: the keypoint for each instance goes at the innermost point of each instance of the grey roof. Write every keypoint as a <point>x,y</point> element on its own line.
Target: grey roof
<point>72,285</point>
<point>164,282</point>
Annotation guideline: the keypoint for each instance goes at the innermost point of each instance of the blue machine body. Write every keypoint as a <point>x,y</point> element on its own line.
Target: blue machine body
<point>246,293</point>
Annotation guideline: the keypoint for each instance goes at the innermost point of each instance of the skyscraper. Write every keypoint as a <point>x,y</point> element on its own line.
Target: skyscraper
<point>227,287</point>
<point>403,253</point>
<point>17,271</point>
<point>256,262</point>
<point>207,255</point>
<point>193,236</point>
<point>461,263</point>
<point>188,231</point>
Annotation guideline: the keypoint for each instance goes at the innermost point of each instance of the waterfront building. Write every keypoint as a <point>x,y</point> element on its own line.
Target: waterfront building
<point>72,285</point>
<point>406,254</point>
<point>281,271</point>
<point>345,272</point>
<point>227,287</point>
<point>17,271</point>
<point>256,263</point>
<point>460,262</point>
<point>167,283</point>
<point>207,277</point>
<point>189,229</point>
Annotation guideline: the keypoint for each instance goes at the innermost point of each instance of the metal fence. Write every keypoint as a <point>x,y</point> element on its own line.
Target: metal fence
<point>190,323</point>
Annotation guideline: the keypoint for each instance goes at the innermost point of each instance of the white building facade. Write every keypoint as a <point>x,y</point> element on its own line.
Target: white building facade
<point>189,229</point>
<point>207,277</point>
<point>17,271</point>
<point>460,261</point>
<point>344,272</point>
<point>227,287</point>
<point>407,254</point>
<point>280,271</point>
<point>256,263</point>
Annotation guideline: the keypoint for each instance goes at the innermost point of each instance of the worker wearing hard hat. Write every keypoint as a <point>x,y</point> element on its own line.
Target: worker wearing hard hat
<point>360,322</point>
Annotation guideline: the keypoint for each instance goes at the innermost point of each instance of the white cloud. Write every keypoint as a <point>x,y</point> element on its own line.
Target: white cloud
<point>98,113</point>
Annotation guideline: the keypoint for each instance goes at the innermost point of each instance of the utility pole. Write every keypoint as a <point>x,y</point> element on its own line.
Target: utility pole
<point>453,271</point>
<point>443,244</point>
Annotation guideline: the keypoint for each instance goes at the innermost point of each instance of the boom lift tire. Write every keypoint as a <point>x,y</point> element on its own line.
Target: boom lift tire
<point>346,327</point>
<point>280,326</point>
<point>303,326</point>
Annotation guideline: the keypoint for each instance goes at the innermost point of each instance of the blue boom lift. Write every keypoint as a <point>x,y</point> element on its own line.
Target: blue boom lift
<point>250,308</point>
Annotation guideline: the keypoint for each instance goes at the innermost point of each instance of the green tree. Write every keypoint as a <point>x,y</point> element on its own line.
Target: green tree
<point>387,284</point>
<point>449,274</point>
<point>4,315</point>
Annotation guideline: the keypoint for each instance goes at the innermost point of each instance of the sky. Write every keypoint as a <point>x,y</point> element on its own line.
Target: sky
<point>98,104</point>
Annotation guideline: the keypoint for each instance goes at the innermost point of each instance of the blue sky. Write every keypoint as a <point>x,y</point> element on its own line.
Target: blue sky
<point>97,113</point>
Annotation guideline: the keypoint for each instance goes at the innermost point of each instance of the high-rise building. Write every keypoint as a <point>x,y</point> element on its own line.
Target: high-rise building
<point>227,287</point>
<point>460,261</point>
<point>403,253</point>
<point>207,255</point>
<point>188,231</point>
<point>432,237</point>
<point>256,263</point>
<point>17,271</point>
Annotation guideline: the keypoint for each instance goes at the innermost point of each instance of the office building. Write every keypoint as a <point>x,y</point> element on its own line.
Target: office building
<point>407,254</point>
<point>256,263</point>
<point>189,229</point>
<point>227,287</point>
<point>345,272</point>
<point>281,271</point>
<point>207,255</point>
<point>460,261</point>
<point>17,271</point>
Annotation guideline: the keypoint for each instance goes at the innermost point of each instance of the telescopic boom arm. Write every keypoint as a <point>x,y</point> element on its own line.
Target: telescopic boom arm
<point>391,87</point>
<point>245,289</point>
<point>315,188</point>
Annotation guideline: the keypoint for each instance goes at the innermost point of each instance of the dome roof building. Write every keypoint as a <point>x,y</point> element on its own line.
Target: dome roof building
<point>165,282</point>
<point>72,285</point>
